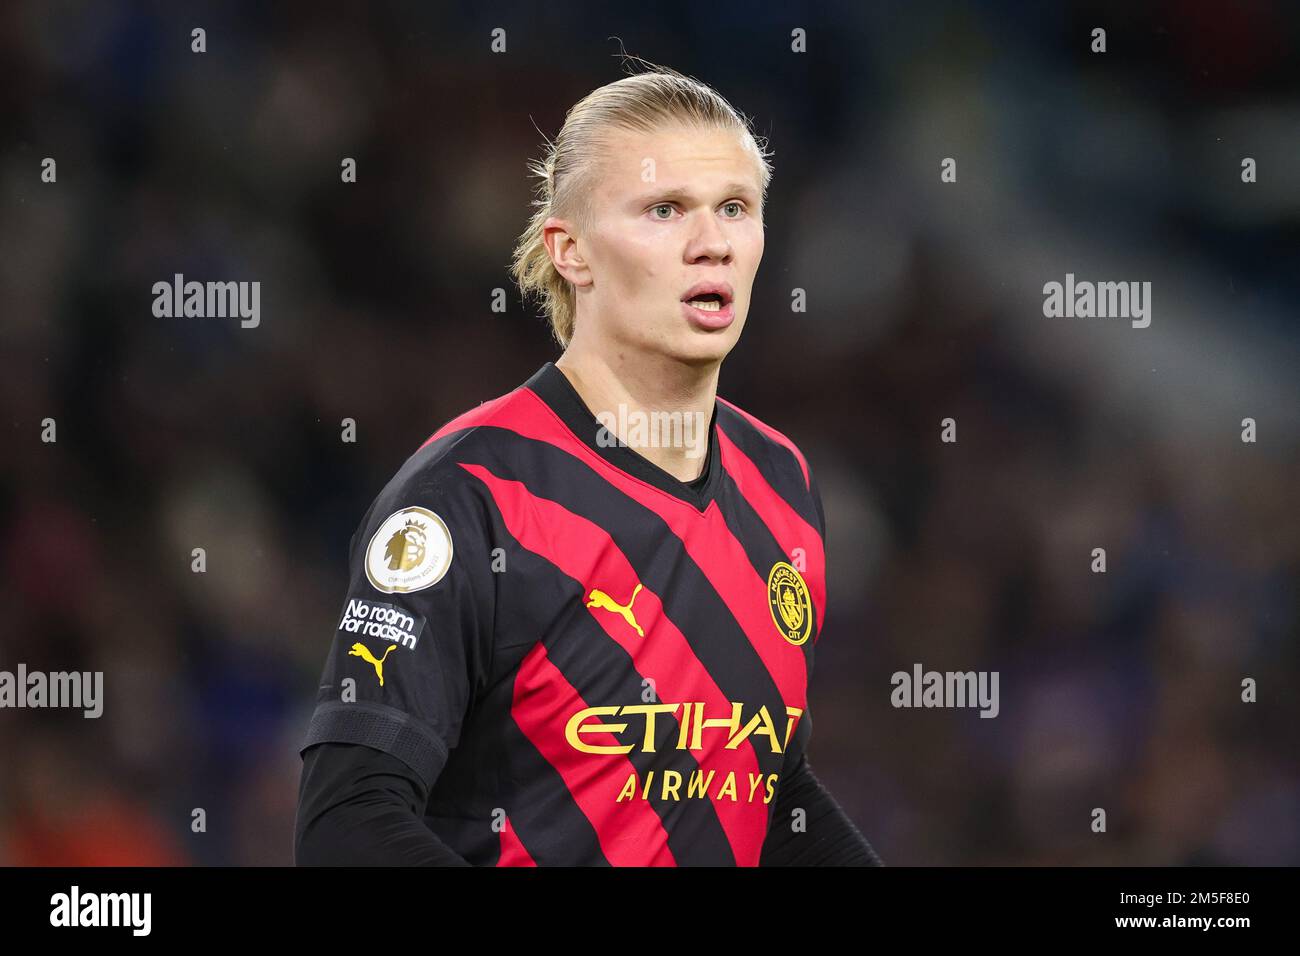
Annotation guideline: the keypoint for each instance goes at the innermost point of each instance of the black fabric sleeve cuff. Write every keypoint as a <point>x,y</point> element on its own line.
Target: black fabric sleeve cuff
<point>384,728</point>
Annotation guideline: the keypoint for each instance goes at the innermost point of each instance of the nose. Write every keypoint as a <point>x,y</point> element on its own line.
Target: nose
<point>709,241</point>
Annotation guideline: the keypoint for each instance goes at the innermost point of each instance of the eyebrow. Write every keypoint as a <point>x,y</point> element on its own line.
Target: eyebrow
<point>682,193</point>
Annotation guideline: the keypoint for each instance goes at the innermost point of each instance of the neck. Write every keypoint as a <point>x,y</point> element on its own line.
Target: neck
<point>629,389</point>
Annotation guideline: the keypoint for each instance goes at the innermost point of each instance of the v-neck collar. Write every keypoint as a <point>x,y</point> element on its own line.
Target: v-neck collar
<point>553,387</point>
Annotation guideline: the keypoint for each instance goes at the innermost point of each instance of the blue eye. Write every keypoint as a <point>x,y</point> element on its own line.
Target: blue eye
<point>663,206</point>
<point>738,206</point>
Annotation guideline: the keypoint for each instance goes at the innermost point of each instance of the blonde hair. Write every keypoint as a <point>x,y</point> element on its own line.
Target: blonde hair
<point>643,102</point>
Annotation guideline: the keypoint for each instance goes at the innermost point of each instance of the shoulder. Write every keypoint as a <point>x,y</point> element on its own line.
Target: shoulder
<point>752,447</point>
<point>436,490</point>
<point>436,469</point>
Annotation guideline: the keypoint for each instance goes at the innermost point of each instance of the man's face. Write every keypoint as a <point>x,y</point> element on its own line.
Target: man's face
<point>670,210</point>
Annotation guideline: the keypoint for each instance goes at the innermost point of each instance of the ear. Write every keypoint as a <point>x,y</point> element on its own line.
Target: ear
<point>562,245</point>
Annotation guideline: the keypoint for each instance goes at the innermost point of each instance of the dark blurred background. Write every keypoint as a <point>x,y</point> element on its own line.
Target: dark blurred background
<point>1118,690</point>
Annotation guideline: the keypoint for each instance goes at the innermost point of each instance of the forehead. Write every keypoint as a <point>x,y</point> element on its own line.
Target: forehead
<point>677,157</point>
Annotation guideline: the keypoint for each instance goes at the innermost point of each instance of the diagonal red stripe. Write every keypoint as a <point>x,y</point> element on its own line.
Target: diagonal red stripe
<point>773,434</point>
<point>787,526</point>
<point>630,833</point>
<point>586,552</point>
<point>705,536</point>
<point>481,415</point>
<point>513,852</point>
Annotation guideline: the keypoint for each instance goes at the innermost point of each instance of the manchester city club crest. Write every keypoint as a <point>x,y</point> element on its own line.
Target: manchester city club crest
<point>787,596</point>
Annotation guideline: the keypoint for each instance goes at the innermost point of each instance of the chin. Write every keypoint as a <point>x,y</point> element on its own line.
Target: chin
<point>688,345</point>
<point>698,348</point>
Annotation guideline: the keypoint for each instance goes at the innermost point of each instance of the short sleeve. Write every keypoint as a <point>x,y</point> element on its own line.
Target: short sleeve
<point>412,645</point>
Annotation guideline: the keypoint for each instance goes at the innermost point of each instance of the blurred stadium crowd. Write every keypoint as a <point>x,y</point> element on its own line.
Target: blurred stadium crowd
<point>1119,690</point>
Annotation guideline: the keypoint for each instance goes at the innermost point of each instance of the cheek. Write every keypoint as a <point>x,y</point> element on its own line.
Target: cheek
<point>631,261</point>
<point>755,240</point>
<point>650,254</point>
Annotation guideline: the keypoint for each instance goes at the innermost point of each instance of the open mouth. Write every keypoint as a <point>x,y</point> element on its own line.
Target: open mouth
<point>708,305</point>
<point>709,302</point>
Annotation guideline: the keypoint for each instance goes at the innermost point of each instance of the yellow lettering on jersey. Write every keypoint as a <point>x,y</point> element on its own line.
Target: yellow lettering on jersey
<point>629,789</point>
<point>728,788</point>
<point>676,781</point>
<point>693,787</point>
<point>732,722</point>
<point>572,730</point>
<point>768,730</point>
<point>650,710</point>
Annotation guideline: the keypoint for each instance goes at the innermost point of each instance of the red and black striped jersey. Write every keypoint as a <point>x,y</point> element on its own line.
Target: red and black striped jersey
<point>586,660</point>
